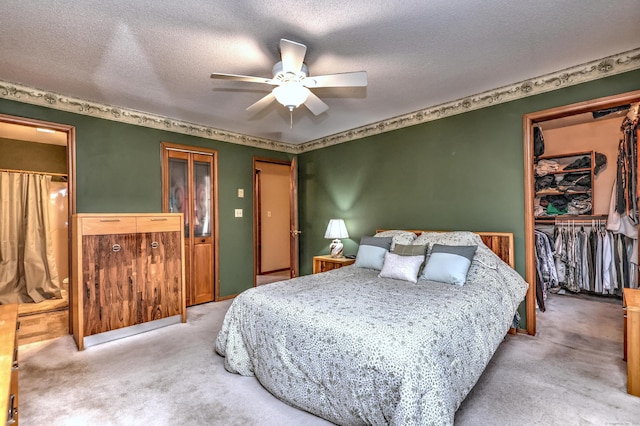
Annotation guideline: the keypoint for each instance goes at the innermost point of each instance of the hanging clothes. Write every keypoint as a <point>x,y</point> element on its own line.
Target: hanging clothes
<point>544,254</point>
<point>590,258</point>
<point>546,276</point>
<point>626,198</point>
<point>623,208</point>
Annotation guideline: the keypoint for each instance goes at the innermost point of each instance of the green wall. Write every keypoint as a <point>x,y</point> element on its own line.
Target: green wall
<point>461,172</point>
<point>118,169</point>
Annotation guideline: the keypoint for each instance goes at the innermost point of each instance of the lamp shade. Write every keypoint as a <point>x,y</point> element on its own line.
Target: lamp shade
<point>336,229</point>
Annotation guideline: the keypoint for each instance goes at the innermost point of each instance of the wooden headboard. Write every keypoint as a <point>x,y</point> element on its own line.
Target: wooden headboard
<point>501,243</point>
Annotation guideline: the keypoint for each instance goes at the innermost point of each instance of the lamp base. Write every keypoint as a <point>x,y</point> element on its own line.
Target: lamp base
<point>336,248</point>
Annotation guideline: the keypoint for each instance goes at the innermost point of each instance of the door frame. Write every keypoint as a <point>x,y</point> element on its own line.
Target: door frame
<point>170,146</point>
<point>71,183</point>
<point>293,205</point>
<point>294,226</point>
<point>528,121</point>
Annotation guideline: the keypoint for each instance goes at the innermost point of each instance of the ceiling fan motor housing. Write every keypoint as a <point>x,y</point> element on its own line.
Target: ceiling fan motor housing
<point>280,75</point>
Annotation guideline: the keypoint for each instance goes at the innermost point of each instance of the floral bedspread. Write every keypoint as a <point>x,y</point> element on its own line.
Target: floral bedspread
<point>357,349</point>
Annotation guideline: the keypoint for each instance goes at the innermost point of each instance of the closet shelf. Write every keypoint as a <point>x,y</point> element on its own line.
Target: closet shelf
<point>565,171</point>
<point>568,192</point>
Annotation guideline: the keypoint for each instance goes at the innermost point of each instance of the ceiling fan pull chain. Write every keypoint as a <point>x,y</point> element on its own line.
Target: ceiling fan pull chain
<point>291,117</point>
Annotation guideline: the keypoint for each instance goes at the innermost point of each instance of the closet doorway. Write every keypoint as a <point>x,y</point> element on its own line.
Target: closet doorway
<point>275,220</point>
<point>37,158</point>
<point>569,113</point>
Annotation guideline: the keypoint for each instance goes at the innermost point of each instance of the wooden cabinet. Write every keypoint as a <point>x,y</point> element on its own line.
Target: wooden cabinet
<point>128,271</point>
<point>9,363</point>
<point>631,306</point>
<point>564,184</point>
<point>188,187</point>
<point>327,263</point>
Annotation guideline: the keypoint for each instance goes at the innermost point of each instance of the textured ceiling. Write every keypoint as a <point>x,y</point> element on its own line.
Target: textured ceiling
<point>156,56</point>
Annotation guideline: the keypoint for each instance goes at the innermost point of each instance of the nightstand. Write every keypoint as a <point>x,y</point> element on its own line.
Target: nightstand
<point>327,263</point>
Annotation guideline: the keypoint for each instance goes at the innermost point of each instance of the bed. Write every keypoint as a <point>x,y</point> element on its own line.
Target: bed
<point>356,348</point>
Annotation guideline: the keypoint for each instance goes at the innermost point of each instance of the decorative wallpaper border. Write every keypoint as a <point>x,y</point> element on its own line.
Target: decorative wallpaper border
<point>594,70</point>
<point>20,93</point>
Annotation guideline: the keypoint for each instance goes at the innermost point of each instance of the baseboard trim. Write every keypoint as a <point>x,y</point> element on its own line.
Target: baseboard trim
<point>132,330</point>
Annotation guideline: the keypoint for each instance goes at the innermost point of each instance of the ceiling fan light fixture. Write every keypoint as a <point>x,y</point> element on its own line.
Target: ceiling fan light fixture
<point>291,95</point>
<point>292,82</point>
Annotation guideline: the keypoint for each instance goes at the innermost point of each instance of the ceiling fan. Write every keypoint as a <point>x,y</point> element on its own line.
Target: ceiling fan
<point>292,81</point>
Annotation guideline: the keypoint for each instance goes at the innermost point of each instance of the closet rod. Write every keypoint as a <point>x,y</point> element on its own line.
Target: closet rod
<point>34,172</point>
<point>569,222</point>
<point>579,221</point>
<point>589,218</point>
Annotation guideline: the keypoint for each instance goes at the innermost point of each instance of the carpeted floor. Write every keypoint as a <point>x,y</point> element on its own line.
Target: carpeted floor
<point>273,277</point>
<point>572,373</point>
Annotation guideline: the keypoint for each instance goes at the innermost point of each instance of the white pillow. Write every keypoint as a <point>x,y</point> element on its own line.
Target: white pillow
<point>400,267</point>
<point>448,264</point>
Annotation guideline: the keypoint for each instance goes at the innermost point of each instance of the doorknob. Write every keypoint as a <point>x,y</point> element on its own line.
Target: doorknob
<point>295,232</point>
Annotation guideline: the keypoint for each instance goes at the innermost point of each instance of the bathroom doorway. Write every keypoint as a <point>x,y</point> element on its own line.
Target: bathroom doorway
<point>37,176</point>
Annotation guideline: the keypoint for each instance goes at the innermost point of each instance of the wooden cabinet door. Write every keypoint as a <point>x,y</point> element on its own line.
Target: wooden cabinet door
<point>108,282</point>
<point>160,268</point>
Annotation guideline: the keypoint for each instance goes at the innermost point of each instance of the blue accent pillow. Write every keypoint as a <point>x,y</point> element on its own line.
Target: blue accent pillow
<point>371,252</point>
<point>449,264</point>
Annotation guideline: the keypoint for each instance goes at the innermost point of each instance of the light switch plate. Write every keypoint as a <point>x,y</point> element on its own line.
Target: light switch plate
<point>240,193</point>
<point>238,212</point>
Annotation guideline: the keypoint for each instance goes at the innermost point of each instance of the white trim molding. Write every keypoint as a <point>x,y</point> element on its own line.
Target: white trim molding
<point>615,64</point>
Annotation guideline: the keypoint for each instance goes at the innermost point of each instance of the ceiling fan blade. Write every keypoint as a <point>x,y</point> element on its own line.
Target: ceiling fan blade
<point>315,104</point>
<point>262,103</point>
<point>247,78</point>
<point>347,79</point>
<point>292,54</point>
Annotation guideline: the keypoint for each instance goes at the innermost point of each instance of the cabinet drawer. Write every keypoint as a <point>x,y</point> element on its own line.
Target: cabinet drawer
<point>327,263</point>
<point>158,223</point>
<point>328,266</point>
<point>108,225</point>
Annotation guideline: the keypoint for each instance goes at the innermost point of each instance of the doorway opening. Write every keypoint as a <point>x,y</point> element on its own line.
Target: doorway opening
<point>275,220</point>
<point>38,157</point>
<point>530,121</point>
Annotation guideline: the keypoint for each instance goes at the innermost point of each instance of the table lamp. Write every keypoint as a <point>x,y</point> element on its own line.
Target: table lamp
<point>336,229</point>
